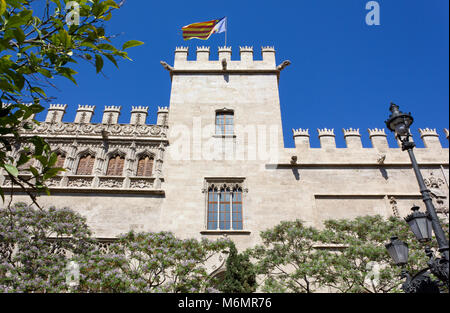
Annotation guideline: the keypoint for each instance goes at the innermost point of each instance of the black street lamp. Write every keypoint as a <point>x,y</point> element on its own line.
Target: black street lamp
<point>420,223</point>
<point>398,250</point>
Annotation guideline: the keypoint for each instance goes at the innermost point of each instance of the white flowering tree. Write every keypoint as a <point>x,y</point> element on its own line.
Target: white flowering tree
<point>36,245</point>
<point>40,251</point>
<point>151,262</point>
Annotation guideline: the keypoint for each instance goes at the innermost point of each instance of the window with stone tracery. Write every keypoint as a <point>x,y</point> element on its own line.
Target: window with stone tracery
<point>115,165</point>
<point>145,166</point>
<point>85,165</point>
<point>225,207</point>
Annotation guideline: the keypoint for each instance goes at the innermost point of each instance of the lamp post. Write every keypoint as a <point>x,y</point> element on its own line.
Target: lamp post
<point>399,123</point>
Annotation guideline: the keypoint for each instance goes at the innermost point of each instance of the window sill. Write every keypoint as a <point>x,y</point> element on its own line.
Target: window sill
<point>224,136</point>
<point>227,232</point>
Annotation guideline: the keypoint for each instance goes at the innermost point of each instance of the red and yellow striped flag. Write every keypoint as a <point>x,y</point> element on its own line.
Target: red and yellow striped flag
<point>200,30</point>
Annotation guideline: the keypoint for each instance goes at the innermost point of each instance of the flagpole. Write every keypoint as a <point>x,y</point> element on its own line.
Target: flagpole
<point>226,30</point>
<point>225,39</point>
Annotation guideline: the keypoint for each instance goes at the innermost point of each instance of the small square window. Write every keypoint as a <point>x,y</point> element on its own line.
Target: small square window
<point>224,123</point>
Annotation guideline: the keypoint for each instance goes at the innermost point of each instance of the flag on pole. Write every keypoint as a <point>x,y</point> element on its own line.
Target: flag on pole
<point>221,25</point>
<point>203,30</point>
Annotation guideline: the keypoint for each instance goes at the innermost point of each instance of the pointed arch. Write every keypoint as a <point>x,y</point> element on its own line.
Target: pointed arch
<point>116,163</point>
<point>145,163</point>
<point>61,157</point>
<point>86,161</point>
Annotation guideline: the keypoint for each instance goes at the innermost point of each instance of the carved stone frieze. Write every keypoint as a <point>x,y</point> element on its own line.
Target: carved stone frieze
<point>96,129</point>
<point>110,182</point>
<point>80,181</point>
<point>53,182</point>
<point>141,183</point>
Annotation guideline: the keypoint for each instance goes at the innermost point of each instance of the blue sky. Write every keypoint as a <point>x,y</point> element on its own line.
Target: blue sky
<point>344,73</point>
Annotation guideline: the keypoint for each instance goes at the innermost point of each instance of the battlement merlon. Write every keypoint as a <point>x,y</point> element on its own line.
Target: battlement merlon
<point>353,141</point>
<point>55,113</point>
<point>327,138</point>
<point>301,138</point>
<point>430,138</point>
<point>352,138</point>
<point>138,115</point>
<point>204,63</point>
<point>162,116</point>
<point>84,113</point>
<point>378,138</point>
<point>111,114</point>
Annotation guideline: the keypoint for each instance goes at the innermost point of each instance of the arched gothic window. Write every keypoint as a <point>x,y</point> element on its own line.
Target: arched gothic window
<point>145,166</point>
<point>115,165</point>
<point>61,158</point>
<point>225,208</point>
<point>86,165</point>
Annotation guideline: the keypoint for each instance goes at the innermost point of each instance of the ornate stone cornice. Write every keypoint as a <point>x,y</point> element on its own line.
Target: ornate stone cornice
<point>79,129</point>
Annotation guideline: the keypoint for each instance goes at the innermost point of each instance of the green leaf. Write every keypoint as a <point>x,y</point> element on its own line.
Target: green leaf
<point>11,169</point>
<point>34,171</point>
<point>111,3</point>
<point>53,159</point>
<point>112,59</point>
<point>2,7</point>
<point>89,45</point>
<point>67,72</point>
<point>98,63</point>
<point>20,19</point>
<point>52,172</point>
<point>20,36</point>
<point>45,72</point>
<point>37,90</point>
<point>131,44</point>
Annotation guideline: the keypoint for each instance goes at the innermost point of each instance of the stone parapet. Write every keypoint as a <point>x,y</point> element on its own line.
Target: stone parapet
<point>204,62</point>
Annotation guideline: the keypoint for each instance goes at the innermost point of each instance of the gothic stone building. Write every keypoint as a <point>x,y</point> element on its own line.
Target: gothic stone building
<point>215,162</point>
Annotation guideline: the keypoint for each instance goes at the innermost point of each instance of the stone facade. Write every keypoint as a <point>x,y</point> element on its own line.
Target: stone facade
<point>191,155</point>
